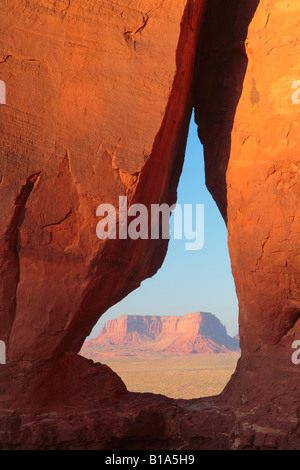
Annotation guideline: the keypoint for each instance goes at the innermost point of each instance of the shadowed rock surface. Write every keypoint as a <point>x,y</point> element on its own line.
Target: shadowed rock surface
<point>245,82</point>
<point>99,98</point>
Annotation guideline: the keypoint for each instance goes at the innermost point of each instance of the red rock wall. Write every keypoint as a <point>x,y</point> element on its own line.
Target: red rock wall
<point>264,187</point>
<point>249,126</point>
<point>98,106</point>
<point>99,97</point>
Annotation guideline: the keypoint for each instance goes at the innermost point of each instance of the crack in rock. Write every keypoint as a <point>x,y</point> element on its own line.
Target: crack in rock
<point>128,35</point>
<point>60,221</point>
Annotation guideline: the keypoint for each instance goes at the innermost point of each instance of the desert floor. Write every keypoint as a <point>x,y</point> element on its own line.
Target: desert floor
<point>186,377</point>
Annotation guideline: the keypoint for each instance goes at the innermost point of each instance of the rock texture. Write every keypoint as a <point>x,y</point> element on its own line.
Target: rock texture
<point>61,386</point>
<point>194,333</point>
<point>98,101</point>
<point>250,137</point>
<point>98,106</point>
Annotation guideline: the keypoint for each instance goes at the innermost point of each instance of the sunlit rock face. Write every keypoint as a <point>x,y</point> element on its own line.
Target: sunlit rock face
<point>194,333</point>
<point>248,121</point>
<point>95,103</point>
<point>263,185</point>
<point>98,102</point>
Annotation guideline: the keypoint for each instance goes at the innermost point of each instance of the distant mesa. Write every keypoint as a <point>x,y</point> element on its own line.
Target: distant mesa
<point>194,333</point>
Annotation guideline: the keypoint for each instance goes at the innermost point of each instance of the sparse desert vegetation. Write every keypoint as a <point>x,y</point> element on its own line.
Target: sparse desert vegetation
<point>190,376</point>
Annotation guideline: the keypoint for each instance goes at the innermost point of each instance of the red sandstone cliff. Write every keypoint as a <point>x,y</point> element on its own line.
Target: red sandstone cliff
<point>98,101</point>
<point>249,127</point>
<point>190,334</point>
<point>99,98</point>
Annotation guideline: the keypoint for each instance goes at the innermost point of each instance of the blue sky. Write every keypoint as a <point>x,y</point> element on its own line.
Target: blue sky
<point>189,281</point>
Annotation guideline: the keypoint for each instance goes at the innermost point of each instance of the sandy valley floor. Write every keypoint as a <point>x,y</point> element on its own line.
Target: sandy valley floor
<point>186,377</point>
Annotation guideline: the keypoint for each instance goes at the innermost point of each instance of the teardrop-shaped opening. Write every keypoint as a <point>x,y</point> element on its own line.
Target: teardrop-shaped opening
<point>137,337</point>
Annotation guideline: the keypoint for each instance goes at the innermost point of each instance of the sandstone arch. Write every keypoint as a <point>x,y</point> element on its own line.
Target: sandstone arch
<point>80,139</point>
